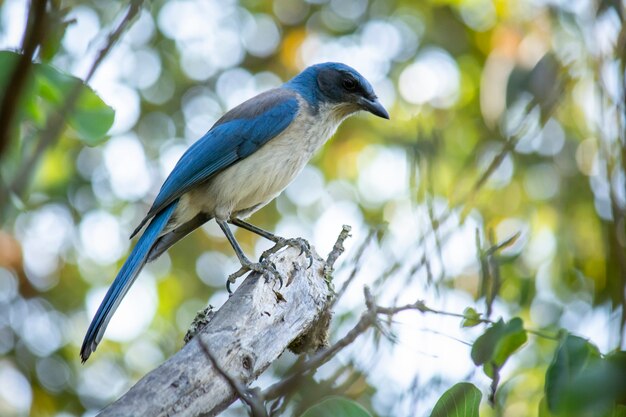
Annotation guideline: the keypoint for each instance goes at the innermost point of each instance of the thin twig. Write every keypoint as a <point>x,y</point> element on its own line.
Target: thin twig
<point>495,380</point>
<point>355,268</point>
<point>469,198</point>
<point>504,244</point>
<point>336,252</point>
<point>369,318</point>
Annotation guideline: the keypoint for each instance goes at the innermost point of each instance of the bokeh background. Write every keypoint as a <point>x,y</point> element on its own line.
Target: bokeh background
<point>507,116</point>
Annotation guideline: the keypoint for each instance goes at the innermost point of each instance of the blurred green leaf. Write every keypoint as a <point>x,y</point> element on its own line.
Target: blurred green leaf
<point>52,85</point>
<point>337,406</point>
<point>462,400</point>
<point>570,358</point>
<point>472,318</point>
<point>90,116</point>
<point>498,343</point>
<point>580,382</point>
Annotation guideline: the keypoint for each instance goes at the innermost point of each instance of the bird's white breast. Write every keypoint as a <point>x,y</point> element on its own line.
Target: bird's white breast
<point>254,181</point>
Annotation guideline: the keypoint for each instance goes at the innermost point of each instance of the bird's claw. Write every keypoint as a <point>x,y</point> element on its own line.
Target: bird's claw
<point>265,267</point>
<point>297,242</point>
<point>304,246</point>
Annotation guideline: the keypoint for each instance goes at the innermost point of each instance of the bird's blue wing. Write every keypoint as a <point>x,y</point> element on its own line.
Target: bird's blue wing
<point>239,133</point>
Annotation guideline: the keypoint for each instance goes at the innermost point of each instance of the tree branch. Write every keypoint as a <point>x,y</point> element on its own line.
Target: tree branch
<point>250,396</point>
<point>246,335</point>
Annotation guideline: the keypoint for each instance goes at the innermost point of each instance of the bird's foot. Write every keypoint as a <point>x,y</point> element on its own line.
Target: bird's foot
<point>297,242</point>
<point>265,268</point>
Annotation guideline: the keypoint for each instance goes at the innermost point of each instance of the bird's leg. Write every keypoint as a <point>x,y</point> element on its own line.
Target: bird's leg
<point>280,242</point>
<point>246,265</point>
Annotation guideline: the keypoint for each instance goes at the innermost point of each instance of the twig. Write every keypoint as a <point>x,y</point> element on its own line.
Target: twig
<point>114,36</point>
<point>469,197</point>
<point>369,318</point>
<point>504,244</point>
<point>336,252</point>
<point>494,384</point>
<point>355,268</point>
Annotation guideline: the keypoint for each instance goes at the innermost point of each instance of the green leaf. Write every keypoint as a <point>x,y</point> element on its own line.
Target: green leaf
<point>498,343</point>
<point>472,318</point>
<point>462,400</point>
<point>337,406</point>
<point>484,346</point>
<point>52,85</point>
<point>90,117</point>
<point>46,92</point>
<point>579,381</point>
<point>570,358</point>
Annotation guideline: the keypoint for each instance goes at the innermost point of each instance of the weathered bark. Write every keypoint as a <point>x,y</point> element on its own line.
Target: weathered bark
<point>244,336</point>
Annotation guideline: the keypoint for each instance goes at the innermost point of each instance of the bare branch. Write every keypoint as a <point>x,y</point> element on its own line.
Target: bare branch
<point>246,334</point>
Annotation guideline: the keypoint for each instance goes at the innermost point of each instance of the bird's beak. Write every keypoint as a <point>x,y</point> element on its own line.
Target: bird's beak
<point>373,106</point>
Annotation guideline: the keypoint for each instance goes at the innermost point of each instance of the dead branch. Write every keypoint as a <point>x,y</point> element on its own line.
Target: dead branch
<point>244,336</point>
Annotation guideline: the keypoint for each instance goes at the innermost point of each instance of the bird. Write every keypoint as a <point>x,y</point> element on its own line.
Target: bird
<point>245,160</point>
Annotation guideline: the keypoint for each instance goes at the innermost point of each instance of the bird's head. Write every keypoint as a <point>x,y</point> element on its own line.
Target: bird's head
<point>339,86</point>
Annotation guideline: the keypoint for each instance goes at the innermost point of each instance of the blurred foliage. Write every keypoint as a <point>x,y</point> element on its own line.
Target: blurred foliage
<point>498,188</point>
<point>497,344</point>
<point>91,118</point>
<point>580,381</point>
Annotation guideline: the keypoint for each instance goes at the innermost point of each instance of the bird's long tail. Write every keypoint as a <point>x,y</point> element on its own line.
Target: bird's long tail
<point>124,280</point>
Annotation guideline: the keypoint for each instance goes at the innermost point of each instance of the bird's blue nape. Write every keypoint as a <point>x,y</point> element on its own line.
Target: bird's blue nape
<point>305,84</point>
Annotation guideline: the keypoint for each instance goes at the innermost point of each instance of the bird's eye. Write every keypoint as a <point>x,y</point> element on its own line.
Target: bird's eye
<point>349,84</point>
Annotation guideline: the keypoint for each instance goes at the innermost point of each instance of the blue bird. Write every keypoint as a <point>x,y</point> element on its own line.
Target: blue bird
<point>243,162</point>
